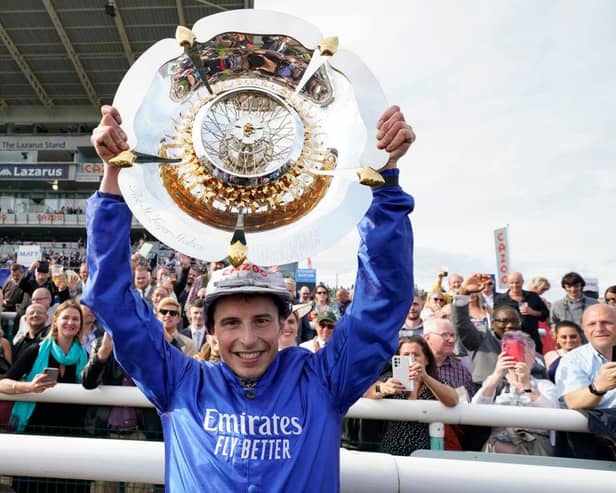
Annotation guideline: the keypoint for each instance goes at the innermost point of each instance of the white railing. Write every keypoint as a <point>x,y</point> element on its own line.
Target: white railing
<point>361,472</point>
<point>422,411</point>
<point>122,460</point>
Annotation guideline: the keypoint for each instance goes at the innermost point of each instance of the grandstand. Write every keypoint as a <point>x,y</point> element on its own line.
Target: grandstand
<point>59,61</point>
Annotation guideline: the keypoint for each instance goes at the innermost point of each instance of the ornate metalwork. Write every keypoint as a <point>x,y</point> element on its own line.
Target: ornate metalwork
<point>261,124</point>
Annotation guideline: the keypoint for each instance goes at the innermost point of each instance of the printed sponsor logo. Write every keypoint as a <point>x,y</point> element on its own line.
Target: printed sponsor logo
<point>35,172</point>
<point>251,437</point>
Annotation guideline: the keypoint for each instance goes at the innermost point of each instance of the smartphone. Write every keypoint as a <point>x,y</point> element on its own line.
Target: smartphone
<point>613,353</point>
<point>401,365</point>
<point>51,374</point>
<point>513,348</point>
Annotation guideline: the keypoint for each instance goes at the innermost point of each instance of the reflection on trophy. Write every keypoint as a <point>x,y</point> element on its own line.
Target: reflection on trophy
<point>251,133</point>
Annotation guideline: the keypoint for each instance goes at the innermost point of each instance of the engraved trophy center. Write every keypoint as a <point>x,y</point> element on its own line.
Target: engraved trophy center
<point>247,133</point>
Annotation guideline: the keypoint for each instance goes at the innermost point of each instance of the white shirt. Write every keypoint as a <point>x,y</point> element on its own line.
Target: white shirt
<point>197,336</point>
<point>311,346</point>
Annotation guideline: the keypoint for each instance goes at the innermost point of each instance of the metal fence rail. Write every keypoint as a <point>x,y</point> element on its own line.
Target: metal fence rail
<point>422,411</point>
<point>361,472</point>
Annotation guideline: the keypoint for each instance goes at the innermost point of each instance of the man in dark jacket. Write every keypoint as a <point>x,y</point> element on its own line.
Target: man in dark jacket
<point>38,277</point>
<point>527,303</point>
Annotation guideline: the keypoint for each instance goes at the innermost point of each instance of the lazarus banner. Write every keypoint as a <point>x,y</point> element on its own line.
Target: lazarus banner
<point>34,171</point>
<point>501,246</point>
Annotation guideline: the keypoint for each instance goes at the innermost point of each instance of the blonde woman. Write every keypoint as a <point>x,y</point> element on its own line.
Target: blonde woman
<point>61,349</point>
<point>434,305</point>
<point>540,285</point>
<point>59,357</point>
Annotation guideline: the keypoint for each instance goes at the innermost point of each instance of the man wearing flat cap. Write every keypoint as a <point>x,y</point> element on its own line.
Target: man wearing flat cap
<point>326,323</point>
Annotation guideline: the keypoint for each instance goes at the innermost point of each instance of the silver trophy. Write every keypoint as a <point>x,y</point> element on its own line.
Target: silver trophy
<point>248,134</point>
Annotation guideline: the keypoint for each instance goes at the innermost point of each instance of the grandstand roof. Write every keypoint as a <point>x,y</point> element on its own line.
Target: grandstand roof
<point>68,56</point>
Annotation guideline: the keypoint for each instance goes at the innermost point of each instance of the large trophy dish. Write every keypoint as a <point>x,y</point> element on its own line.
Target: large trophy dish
<point>249,130</point>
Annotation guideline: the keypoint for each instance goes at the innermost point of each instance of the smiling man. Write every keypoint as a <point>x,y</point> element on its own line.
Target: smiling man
<point>261,420</point>
<point>326,323</point>
<point>586,379</point>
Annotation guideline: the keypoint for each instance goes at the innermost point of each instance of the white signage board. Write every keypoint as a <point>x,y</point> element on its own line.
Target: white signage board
<point>28,254</point>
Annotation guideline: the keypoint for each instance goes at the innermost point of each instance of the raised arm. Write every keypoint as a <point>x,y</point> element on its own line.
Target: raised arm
<point>460,318</point>
<point>366,336</point>
<point>137,336</point>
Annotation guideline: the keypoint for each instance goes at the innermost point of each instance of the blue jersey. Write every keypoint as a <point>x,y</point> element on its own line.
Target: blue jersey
<point>284,434</point>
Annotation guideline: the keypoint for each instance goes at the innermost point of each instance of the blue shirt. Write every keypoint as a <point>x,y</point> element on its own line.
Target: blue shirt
<point>577,370</point>
<point>284,434</point>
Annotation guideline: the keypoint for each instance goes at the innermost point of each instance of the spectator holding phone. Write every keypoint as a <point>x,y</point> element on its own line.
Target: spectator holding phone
<point>512,384</point>
<point>58,357</point>
<point>60,349</point>
<point>485,347</point>
<point>404,437</point>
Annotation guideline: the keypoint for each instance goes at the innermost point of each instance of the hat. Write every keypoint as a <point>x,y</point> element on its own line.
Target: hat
<point>43,268</point>
<point>327,315</point>
<point>248,278</point>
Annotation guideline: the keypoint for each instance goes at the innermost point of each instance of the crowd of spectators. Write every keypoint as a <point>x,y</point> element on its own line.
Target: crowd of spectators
<point>458,337</point>
<point>64,209</point>
<point>69,255</point>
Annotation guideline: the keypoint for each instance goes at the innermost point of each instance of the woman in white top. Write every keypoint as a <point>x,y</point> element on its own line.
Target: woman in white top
<point>511,384</point>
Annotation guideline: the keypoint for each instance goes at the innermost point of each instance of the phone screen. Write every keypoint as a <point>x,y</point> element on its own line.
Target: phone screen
<point>51,374</point>
<point>613,353</point>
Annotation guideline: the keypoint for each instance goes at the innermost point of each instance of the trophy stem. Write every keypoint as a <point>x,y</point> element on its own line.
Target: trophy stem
<point>238,249</point>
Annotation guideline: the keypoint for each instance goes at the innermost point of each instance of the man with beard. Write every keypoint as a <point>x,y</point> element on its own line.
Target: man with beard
<point>413,325</point>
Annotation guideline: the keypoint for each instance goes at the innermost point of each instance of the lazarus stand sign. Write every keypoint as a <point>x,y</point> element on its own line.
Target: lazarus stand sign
<point>501,246</point>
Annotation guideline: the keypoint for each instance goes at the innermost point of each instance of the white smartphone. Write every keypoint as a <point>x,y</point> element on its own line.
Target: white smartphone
<point>401,365</point>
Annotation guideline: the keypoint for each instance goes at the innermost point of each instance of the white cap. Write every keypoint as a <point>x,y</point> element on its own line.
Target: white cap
<point>248,278</point>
